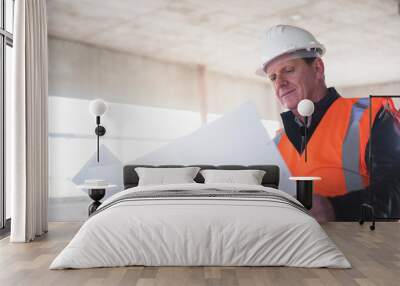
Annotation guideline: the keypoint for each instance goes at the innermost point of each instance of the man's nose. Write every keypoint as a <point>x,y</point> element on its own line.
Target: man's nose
<point>280,81</point>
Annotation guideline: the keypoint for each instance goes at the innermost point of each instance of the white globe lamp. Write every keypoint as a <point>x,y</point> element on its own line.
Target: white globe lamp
<point>305,107</point>
<point>97,108</point>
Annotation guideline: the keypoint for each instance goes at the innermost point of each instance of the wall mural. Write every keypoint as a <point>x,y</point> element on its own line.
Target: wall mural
<point>238,137</point>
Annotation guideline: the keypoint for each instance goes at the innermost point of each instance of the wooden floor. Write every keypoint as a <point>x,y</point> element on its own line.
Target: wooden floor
<point>375,257</point>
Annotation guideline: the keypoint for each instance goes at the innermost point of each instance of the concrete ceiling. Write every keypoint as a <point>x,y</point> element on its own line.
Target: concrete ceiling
<point>362,37</point>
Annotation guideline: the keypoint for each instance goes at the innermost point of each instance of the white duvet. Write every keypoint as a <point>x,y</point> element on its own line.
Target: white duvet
<point>200,231</point>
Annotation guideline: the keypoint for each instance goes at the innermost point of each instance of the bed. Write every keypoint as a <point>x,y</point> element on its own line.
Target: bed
<point>201,224</point>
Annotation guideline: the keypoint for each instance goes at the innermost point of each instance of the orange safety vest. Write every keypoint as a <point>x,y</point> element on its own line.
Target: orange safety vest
<point>336,149</point>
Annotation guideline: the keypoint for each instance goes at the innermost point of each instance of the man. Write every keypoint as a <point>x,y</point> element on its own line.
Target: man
<point>338,132</point>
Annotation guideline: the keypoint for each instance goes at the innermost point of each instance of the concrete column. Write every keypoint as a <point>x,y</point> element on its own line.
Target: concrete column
<point>202,92</point>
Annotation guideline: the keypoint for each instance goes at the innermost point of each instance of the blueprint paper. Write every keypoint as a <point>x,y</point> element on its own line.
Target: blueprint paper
<point>236,138</point>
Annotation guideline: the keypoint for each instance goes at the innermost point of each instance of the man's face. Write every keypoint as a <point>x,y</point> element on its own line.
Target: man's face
<point>293,80</point>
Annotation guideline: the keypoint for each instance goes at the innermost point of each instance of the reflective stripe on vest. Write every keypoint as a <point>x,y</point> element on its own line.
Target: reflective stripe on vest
<point>351,147</point>
<point>278,136</point>
<point>336,149</point>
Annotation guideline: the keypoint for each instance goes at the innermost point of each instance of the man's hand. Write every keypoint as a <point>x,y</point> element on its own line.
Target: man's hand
<point>322,209</point>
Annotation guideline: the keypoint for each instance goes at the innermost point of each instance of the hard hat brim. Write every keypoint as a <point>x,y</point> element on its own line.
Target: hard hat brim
<point>319,51</point>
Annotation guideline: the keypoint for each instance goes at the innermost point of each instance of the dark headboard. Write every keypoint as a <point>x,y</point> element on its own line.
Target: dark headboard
<point>270,179</point>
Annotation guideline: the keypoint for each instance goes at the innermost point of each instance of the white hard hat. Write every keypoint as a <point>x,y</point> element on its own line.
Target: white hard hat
<point>286,39</point>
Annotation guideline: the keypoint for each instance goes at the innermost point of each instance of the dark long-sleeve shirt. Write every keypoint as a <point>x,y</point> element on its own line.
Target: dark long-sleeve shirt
<point>384,188</point>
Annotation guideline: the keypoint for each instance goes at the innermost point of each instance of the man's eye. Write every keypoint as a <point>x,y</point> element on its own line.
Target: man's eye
<point>289,69</point>
<point>272,77</point>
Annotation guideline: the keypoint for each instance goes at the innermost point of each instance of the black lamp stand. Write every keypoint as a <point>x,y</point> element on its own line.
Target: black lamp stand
<point>96,195</point>
<point>368,208</point>
<point>100,131</point>
<point>303,133</point>
<point>305,137</point>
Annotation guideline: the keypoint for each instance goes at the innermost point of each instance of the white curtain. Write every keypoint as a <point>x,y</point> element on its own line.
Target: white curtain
<point>28,120</point>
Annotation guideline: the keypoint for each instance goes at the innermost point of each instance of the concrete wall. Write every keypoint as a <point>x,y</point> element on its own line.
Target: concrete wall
<point>87,72</point>
<point>390,88</point>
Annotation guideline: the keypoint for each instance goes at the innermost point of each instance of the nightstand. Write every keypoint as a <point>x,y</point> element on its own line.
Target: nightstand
<point>304,190</point>
<point>96,193</point>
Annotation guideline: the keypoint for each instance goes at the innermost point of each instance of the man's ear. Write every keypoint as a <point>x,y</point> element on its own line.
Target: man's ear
<point>319,69</point>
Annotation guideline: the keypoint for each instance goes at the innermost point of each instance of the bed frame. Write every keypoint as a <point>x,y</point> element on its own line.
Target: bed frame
<point>270,179</point>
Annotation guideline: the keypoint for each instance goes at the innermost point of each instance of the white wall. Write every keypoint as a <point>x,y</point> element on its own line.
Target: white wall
<point>131,132</point>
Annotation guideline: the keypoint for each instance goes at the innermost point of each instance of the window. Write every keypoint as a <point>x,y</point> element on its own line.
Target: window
<point>6,43</point>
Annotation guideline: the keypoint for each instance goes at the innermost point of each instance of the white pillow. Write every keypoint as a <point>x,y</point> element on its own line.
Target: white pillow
<point>248,177</point>
<point>163,176</point>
